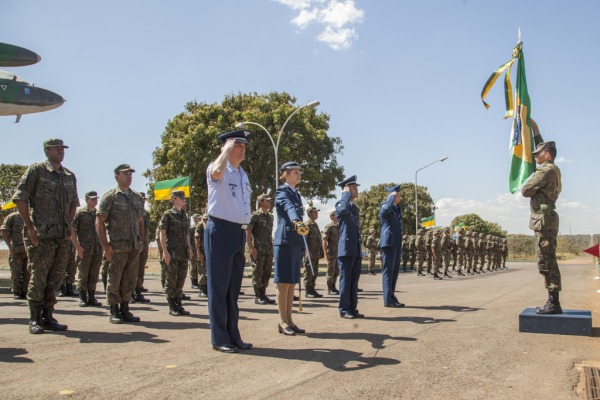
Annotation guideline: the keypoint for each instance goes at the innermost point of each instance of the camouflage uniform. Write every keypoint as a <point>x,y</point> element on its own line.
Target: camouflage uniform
<point>52,196</point>
<point>315,252</point>
<point>504,252</point>
<point>413,251</point>
<point>421,251</point>
<point>436,245</point>
<point>405,254</point>
<point>66,287</point>
<point>199,238</point>
<point>160,258</point>
<point>446,244</point>
<point>122,212</point>
<point>372,247</point>
<point>470,251</point>
<point>194,261</point>
<point>460,249</point>
<point>489,251</point>
<point>143,258</point>
<point>261,228</point>
<point>481,245</point>
<point>84,226</point>
<point>331,235</point>
<point>428,243</point>
<point>12,229</point>
<point>176,227</point>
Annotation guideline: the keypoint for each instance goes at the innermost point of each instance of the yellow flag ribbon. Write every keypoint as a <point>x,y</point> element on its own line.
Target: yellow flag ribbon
<point>508,97</point>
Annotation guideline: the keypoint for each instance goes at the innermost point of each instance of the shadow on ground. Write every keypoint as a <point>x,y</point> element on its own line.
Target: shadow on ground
<point>13,355</point>
<point>113,337</point>
<point>375,339</point>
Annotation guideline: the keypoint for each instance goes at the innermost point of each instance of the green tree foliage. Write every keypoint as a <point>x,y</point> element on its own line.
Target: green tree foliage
<point>189,144</point>
<point>9,179</point>
<point>474,222</point>
<point>370,200</point>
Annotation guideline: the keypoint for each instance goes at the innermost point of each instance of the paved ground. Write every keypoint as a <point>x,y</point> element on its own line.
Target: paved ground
<point>456,339</point>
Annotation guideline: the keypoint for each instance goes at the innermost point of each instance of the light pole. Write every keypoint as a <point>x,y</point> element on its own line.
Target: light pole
<point>416,198</point>
<point>244,125</point>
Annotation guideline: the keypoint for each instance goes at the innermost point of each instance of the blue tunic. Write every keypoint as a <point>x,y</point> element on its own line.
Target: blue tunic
<point>349,253</point>
<point>288,244</point>
<point>390,217</point>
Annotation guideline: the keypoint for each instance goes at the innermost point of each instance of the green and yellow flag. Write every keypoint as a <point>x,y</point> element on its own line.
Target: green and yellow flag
<point>162,189</point>
<point>521,137</point>
<point>428,222</point>
<point>8,206</point>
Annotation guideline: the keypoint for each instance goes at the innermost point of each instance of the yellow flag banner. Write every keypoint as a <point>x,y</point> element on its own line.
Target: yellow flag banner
<point>508,96</point>
<point>162,189</point>
<point>9,206</point>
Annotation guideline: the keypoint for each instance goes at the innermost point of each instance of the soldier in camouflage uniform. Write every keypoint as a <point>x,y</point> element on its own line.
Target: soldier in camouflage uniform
<point>137,296</point>
<point>481,246</point>
<point>469,252</point>
<point>544,188</point>
<point>421,251</point>
<point>489,251</point>
<point>405,252</point>
<point>174,239</point>
<point>12,233</point>
<point>475,241</point>
<point>160,258</point>
<point>260,242</point>
<point>66,287</point>
<point>49,191</point>
<point>436,253</point>
<point>195,261</point>
<point>428,243</point>
<point>199,238</point>
<point>89,252</point>
<point>331,235</point>
<point>413,252</point>
<point>314,251</point>
<point>504,252</point>
<point>120,225</point>
<point>446,245</point>
<point>372,247</point>
<point>461,250</point>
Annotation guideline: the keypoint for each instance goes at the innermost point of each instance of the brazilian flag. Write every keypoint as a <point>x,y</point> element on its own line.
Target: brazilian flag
<point>162,189</point>
<point>428,222</point>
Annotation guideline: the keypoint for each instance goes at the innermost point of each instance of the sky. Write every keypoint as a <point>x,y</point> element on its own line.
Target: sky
<point>401,81</point>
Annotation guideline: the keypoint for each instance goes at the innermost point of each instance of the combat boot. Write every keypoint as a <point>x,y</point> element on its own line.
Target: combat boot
<point>92,299</point>
<point>194,283</point>
<point>83,300</point>
<point>420,273</point>
<point>436,276</point>
<point>447,275</point>
<point>185,297</point>
<point>138,297</point>
<point>180,308</point>
<point>334,290</point>
<point>35,319</point>
<point>552,306</point>
<point>126,315</point>
<point>49,322</point>
<point>310,293</point>
<point>115,315</point>
<point>460,273</point>
<point>62,290</point>
<point>203,291</point>
<point>267,299</point>
<point>259,299</point>
<point>173,310</point>
<point>69,290</point>
<point>16,296</point>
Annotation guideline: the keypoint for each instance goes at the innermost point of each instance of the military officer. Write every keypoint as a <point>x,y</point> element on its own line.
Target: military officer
<point>88,249</point>
<point>436,254</point>
<point>421,251</point>
<point>373,247</point>
<point>12,233</point>
<point>314,251</point>
<point>229,214</point>
<point>331,236</point>
<point>120,226</point>
<point>391,243</point>
<point>199,238</point>
<point>49,191</point>
<point>349,248</point>
<point>543,188</point>
<point>260,242</point>
<point>137,296</point>
<point>446,244</point>
<point>175,241</point>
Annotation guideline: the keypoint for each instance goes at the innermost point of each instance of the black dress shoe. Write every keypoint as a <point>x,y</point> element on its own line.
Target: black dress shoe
<point>296,298</point>
<point>225,348</point>
<point>359,290</point>
<point>240,344</point>
<point>288,331</point>
<point>347,315</point>
<point>357,314</point>
<point>297,330</point>
<point>395,305</point>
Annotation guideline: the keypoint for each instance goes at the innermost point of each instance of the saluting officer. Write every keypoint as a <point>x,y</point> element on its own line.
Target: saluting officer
<point>349,248</point>
<point>225,240</point>
<point>390,216</point>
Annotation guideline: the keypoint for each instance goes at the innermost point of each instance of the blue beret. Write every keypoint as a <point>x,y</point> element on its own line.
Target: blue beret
<point>348,181</point>
<point>290,165</point>
<point>239,136</point>
<point>392,189</point>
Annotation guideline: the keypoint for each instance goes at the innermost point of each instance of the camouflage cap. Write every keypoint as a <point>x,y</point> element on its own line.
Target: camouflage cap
<point>475,234</point>
<point>178,193</point>
<point>123,168</point>
<point>54,143</point>
<point>461,229</point>
<point>91,195</point>
<point>311,209</point>
<point>143,194</point>
<point>264,197</point>
<point>469,233</point>
<point>420,231</point>
<point>544,146</point>
<point>197,216</point>
<point>436,231</point>
<point>488,237</point>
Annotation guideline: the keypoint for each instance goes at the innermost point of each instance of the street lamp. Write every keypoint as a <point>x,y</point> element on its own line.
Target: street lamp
<point>244,125</point>
<point>416,199</point>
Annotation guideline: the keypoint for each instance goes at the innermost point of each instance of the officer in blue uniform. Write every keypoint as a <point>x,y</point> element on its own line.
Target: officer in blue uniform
<point>225,239</point>
<point>349,248</point>
<point>390,217</point>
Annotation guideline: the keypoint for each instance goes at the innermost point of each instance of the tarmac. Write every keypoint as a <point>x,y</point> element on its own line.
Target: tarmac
<point>455,339</point>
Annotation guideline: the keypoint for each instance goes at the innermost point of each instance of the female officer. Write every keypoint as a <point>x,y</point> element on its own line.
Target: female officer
<point>288,244</point>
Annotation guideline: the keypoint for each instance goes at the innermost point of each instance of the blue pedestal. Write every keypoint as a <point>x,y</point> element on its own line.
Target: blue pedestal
<point>570,322</point>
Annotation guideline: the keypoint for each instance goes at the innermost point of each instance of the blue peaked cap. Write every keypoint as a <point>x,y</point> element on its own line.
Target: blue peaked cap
<point>348,181</point>
<point>392,189</point>
<point>241,136</point>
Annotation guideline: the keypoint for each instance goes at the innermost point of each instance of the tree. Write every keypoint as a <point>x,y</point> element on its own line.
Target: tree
<point>522,245</point>
<point>369,201</point>
<point>474,222</point>
<point>10,174</point>
<point>189,144</point>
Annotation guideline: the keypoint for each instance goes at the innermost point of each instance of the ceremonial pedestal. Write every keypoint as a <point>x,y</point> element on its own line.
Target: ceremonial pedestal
<point>570,322</point>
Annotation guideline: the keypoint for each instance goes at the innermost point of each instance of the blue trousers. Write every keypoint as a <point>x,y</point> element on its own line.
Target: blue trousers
<point>390,267</point>
<point>224,248</point>
<point>349,276</point>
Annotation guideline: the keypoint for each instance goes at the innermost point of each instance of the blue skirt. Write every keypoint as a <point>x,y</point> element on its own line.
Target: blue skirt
<point>288,260</point>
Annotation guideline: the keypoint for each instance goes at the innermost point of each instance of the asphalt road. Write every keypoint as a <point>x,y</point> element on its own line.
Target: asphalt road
<point>456,339</point>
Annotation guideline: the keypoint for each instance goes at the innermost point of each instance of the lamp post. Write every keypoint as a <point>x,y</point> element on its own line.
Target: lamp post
<point>416,198</point>
<point>244,125</point>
